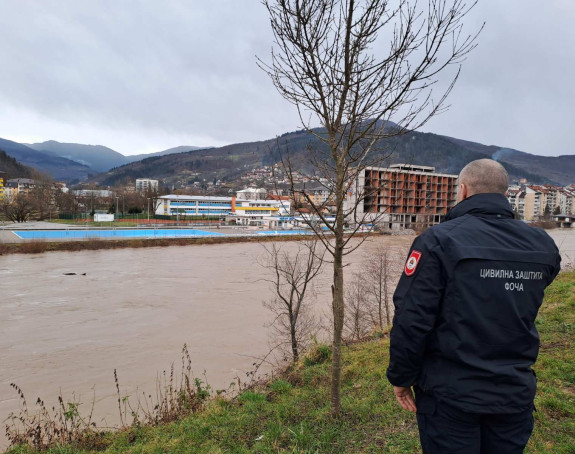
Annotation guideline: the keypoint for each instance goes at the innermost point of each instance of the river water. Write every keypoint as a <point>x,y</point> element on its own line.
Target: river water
<point>133,310</point>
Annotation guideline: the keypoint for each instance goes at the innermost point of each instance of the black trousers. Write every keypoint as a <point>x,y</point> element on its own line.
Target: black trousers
<point>444,429</point>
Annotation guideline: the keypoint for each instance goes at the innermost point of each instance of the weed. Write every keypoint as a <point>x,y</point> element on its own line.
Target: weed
<point>177,396</point>
<point>317,355</point>
<point>46,428</point>
<point>280,386</point>
<point>34,247</point>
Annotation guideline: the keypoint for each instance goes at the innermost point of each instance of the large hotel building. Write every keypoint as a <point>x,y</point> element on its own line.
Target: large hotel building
<point>403,196</point>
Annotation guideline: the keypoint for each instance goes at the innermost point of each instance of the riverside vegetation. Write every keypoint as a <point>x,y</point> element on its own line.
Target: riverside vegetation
<point>37,247</point>
<point>291,413</point>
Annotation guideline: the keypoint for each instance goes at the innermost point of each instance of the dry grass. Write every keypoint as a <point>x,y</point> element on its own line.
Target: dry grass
<point>178,395</point>
<point>37,247</point>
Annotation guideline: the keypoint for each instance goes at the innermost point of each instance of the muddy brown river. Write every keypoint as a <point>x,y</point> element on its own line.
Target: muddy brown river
<point>133,310</point>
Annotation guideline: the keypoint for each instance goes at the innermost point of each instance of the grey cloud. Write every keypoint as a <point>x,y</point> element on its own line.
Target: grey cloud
<point>515,88</point>
<point>187,69</point>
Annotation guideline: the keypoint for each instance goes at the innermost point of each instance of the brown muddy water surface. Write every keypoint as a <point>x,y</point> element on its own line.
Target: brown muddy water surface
<point>132,311</point>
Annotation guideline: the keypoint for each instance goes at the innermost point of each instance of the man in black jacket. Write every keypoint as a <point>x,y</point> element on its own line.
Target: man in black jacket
<point>464,335</point>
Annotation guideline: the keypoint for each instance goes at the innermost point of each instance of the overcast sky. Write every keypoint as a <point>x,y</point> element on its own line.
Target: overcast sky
<point>143,75</point>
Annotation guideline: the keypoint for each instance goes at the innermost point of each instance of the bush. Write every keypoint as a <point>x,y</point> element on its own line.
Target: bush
<point>317,355</point>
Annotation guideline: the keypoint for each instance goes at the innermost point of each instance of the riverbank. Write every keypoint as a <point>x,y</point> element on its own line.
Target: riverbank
<point>291,413</point>
<point>37,247</point>
<point>39,237</point>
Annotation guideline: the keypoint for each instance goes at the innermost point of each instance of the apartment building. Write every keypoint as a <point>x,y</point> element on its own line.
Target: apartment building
<point>402,196</point>
<point>567,200</point>
<point>533,202</point>
<point>522,201</point>
<point>146,184</point>
<point>103,193</point>
<point>318,193</point>
<point>513,196</point>
<point>1,185</point>
<point>17,186</point>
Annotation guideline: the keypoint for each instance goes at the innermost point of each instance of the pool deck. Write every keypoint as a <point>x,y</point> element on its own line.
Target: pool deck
<point>7,230</point>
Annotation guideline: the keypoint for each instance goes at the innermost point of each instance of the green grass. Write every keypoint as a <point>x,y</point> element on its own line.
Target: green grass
<point>291,414</point>
<point>555,368</point>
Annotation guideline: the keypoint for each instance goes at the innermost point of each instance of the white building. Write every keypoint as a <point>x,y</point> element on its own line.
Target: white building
<point>260,213</point>
<point>567,200</point>
<point>193,206</point>
<point>252,194</point>
<point>92,193</point>
<point>266,213</point>
<point>145,184</point>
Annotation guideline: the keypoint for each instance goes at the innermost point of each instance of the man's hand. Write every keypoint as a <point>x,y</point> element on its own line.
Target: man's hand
<point>405,398</point>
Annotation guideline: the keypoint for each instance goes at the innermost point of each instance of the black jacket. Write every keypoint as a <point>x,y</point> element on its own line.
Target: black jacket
<point>465,307</point>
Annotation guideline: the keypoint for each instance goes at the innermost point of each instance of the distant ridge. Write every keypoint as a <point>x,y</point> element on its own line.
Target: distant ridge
<point>446,154</point>
<point>59,168</point>
<point>98,157</point>
<point>180,165</point>
<point>10,168</point>
<point>175,150</point>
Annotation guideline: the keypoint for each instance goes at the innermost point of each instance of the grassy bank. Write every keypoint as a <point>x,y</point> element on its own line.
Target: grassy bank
<point>291,414</point>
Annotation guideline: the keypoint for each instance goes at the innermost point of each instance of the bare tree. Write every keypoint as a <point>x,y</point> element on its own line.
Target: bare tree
<point>66,202</point>
<point>291,281</point>
<point>324,63</point>
<point>357,320</point>
<point>381,270</point>
<point>42,197</point>
<point>17,208</point>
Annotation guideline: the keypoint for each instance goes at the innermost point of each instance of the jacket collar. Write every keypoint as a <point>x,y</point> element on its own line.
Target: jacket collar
<point>483,205</point>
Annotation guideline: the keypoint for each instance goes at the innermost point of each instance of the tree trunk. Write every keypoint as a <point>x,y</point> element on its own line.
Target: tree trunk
<point>380,304</point>
<point>337,304</point>
<point>294,347</point>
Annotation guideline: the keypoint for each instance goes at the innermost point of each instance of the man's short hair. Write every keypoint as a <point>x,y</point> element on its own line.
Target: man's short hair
<point>484,176</point>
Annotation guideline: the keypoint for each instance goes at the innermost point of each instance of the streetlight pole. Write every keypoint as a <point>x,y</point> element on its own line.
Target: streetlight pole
<point>117,198</point>
<point>148,210</point>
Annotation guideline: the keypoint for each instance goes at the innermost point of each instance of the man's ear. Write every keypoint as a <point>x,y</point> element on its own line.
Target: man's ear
<point>462,194</point>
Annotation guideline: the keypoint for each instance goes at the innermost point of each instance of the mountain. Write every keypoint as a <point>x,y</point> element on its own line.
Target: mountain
<point>556,169</point>
<point>175,150</point>
<point>97,157</point>
<point>560,169</point>
<point>185,164</point>
<point>446,154</point>
<point>59,168</point>
<point>10,168</point>
<point>178,168</point>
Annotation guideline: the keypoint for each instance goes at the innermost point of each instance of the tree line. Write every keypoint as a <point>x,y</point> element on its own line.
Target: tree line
<point>45,200</point>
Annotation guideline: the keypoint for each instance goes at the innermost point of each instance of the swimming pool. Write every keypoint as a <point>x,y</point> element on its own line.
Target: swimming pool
<point>141,233</point>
